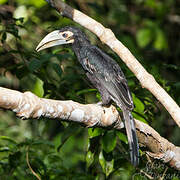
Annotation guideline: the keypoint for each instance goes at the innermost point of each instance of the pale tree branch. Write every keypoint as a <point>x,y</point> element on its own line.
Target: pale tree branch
<point>107,36</point>
<point>27,105</point>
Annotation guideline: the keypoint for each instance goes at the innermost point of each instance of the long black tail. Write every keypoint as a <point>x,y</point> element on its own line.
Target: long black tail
<point>132,137</point>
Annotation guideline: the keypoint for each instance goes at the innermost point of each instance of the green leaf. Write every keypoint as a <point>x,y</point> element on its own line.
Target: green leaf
<point>38,88</point>
<point>122,137</point>
<point>38,3</point>
<point>93,132</point>
<point>160,41</point>
<point>34,65</point>
<point>35,3</point>
<point>175,178</point>
<point>57,68</point>
<point>4,149</point>
<point>89,158</point>
<point>98,96</point>
<point>3,1</point>
<point>144,37</point>
<point>107,166</point>
<point>109,141</point>
<point>150,3</point>
<point>139,106</point>
<point>137,116</point>
<point>8,139</point>
<point>84,91</point>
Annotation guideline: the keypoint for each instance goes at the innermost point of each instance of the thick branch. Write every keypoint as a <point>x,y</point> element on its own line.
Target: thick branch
<point>106,36</point>
<point>27,105</point>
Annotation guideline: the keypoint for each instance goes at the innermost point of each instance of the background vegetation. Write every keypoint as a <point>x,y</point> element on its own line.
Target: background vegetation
<point>60,150</point>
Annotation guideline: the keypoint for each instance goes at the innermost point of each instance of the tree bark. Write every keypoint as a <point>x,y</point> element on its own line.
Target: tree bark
<point>27,105</point>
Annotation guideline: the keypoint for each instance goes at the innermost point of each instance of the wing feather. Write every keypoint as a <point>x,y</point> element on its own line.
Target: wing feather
<point>108,73</point>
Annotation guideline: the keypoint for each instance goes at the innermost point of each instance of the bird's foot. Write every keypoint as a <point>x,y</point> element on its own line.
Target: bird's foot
<point>100,103</point>
<point>93,125</point>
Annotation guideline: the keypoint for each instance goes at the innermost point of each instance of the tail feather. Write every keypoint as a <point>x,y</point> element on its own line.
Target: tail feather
<point>132,137</point>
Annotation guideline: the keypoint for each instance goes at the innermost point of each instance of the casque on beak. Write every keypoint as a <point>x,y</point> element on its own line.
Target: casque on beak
<point>52,39</point>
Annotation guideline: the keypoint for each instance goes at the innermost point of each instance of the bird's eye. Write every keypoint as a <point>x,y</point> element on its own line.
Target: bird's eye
<point>65,35</point>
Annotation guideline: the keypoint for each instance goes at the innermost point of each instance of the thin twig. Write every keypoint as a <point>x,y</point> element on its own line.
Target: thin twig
<point>28,163</point>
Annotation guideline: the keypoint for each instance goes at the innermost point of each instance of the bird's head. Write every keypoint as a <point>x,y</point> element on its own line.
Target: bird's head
<point>66,35</point>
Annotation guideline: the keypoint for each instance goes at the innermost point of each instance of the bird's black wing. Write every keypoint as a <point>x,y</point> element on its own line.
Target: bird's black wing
<point>108,73</point>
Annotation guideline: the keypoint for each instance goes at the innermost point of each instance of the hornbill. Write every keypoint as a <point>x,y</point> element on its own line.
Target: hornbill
<point>103,72</point>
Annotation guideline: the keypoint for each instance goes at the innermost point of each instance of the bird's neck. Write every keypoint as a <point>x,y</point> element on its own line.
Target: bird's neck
<point>78,45</point>
<point>80,42</point>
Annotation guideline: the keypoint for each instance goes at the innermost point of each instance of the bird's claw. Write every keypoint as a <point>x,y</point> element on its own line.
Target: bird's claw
<point>100,103</point>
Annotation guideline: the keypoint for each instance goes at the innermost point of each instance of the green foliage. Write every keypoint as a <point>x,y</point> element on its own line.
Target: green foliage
<point>107,166</point>
<point>38,88</point>
<point>151,33</point>
<point>122,137</point>
<point>144,37</point>
<point>61,150</point>
<point>89,158</point>
<point>109,141</point>
<point>95,132</point>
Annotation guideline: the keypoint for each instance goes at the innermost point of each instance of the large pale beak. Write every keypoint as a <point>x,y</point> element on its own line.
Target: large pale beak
<point>52,39</point>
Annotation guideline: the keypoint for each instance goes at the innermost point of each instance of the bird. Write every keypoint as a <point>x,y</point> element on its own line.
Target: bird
<point>103,72</point>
